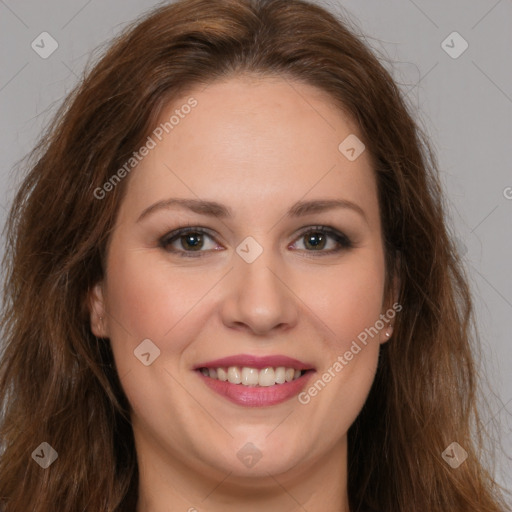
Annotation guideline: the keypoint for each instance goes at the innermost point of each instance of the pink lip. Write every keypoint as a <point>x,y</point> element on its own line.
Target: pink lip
<point>256,396</point>
<point>257,362</point>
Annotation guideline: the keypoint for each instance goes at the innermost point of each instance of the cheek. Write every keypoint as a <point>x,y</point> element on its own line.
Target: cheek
<point>349,299</point>
<point>150,298</point>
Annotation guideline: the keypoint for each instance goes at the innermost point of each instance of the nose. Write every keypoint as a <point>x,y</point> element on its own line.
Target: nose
<point>259,300</point>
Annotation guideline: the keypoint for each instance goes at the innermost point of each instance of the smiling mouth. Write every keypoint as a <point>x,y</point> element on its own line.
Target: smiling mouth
<point>253,377</point>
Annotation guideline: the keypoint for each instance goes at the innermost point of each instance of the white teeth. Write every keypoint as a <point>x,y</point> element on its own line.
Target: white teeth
<point>234,375</point>
<point>280,375</point>
<point>267,377</point>
<point>247,376</point>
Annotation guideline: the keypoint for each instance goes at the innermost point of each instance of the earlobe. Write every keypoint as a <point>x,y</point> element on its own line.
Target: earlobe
<point>97,311</point>
<point>388,331</point>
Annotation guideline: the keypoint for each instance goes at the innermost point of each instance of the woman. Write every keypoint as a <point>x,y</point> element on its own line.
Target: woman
<point>231,286</point>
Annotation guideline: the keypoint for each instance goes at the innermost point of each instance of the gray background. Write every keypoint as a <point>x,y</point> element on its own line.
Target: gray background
<point>464,104</point>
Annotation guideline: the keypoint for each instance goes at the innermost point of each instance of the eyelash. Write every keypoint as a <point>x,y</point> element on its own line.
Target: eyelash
<point>344,242</point>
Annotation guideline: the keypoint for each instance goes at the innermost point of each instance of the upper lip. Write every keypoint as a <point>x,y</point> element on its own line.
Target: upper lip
<point>258,362</point>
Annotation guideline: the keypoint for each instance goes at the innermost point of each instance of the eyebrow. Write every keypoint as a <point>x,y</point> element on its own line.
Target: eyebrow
<point>218,210</point>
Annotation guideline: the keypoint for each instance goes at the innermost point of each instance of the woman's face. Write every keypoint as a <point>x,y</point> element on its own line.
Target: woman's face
<point>279,280</point>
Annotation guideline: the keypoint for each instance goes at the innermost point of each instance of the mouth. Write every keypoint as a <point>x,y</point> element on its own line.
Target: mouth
<point>247,376</point>
<point>255,381</point>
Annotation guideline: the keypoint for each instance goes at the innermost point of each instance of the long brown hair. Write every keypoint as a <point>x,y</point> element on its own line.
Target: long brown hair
<point>58,383</point>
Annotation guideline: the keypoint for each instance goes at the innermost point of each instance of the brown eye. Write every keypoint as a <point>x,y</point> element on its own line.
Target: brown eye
<point>186,241</point>
<point>317,238</point>
<point>192,241</point>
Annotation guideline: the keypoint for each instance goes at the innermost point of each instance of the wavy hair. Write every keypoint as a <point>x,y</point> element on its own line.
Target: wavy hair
<point>58,382</point>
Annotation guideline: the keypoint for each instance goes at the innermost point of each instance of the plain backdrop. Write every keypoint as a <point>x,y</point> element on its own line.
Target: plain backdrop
<point>463,100</point>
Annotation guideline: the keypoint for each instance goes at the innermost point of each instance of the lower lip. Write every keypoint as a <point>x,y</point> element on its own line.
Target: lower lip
<point>257,396</point>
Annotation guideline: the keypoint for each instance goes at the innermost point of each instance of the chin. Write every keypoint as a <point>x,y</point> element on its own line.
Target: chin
<point>246,458</point>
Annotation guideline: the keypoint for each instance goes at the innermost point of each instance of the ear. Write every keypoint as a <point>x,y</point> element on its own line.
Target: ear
<point>393,305</point>
<point>97,310</point>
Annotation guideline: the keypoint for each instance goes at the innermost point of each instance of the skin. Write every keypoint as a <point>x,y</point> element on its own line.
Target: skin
<point>256,145</point>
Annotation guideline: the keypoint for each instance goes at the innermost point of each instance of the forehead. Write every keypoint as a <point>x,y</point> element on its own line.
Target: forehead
<point>253,142</point>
